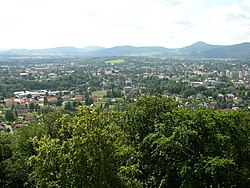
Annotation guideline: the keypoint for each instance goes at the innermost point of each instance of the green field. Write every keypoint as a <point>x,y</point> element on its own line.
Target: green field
<point>116,61</point>
<point>99,93</point>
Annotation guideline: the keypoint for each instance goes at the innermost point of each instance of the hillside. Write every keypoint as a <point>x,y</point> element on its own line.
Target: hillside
<point>234,51</point>
<point>196,50</point>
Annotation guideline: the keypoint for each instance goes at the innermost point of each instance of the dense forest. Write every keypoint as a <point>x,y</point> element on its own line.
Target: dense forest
<point>152,142</point>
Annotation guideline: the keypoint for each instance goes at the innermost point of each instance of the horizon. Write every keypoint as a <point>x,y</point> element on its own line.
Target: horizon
<point>40,24</point>
<point>67,46</point>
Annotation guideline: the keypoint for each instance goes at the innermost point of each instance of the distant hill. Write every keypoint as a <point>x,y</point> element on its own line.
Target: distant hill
<point>92,48</point>
<point>66,51</point>
<point>132,51</point>
<point>197,47</point>
<point>234,51</point>
<point>196,50</point>
<point>58,51</point>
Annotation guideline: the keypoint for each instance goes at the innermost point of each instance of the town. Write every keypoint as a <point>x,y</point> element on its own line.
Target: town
<point>30,87</point>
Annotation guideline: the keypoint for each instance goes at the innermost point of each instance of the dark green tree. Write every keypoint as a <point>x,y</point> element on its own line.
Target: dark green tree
<point>189,148</point>
<point>32,107</point>
<point>15,168</point>
<point>45,102</point>
<point>69,107</point>
<point>9,116</point>
<point>90,151</point>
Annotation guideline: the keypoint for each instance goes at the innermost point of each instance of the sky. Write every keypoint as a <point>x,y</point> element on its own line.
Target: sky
<point>36,24</point>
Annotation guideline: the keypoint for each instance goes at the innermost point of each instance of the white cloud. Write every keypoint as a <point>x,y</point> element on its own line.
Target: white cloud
<point>170,23</point>
<point>246,2</point>
<point>224,24</point>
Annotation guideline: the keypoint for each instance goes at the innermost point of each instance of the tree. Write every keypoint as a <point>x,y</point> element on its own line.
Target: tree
<point>32,107</point>
<point>59,101</point>
<point>5,153</point>
<point>229,83</point>
<point>37,108</point>
<point>9,116</point>
<point>149,143</point>
<point>88,99</point>
<point>18,147</point>
<point>90,150</point>
<point>29,96</point>
<point>143,114</point>
<point>2,118</point>
<point>45,102</point>
<point>189,148</point>
<point>189,92</point>
<point>69,107</point>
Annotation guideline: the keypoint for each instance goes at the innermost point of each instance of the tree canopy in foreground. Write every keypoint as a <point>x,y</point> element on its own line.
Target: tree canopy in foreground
<point>150,143</point>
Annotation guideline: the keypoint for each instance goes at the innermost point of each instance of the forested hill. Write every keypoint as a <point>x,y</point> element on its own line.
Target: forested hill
<point>149,143</point>
<point>196,50</point>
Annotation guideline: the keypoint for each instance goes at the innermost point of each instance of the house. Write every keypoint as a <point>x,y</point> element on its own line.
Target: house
<point>27,119</point>
<point>128,88</point>
<point>229,99</point>
<point>52,75</point>
<point>237,99</point>
<point>24,74</point>
<point>235,108</point>
<point>197,84</point>
<point>211,87</point>
<point>230,95</point>
<point>18,123</point>
<point>176,78</point>
<point>95,98</point>
<point>213,83</point>
<point>220,95</point>
<point>79,98</point>
<point>52,99</point>
<point>21,111</point>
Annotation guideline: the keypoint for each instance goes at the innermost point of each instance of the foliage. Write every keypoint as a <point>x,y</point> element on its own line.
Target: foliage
<point>149,143</point>
<point>140,117</point>
<point>69,107</point>
<point>5,153</point>
<point>9,116</point>
<point>89,150</point>
<point>114,93</point>
<point>184,148</point>
<point>17,149</point>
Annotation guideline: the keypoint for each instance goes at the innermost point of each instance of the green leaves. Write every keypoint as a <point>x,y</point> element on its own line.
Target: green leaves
<point>153,143</point>
<point>90,151</point>
<point>185,148</point>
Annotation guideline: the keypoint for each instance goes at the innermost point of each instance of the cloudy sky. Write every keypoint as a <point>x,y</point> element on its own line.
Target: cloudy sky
<point>34,24</point>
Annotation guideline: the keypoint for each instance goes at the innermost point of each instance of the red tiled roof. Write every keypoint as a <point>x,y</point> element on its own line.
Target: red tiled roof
<point>52,99</point>
<point>79,98</point>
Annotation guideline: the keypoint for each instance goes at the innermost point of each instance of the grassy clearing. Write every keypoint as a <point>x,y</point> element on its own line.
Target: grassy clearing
<point>99,93</point>
<point>98,104</point>
<point>116,61</point>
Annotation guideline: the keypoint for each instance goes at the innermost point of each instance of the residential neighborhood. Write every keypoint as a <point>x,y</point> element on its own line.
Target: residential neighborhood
<point>31,89</point>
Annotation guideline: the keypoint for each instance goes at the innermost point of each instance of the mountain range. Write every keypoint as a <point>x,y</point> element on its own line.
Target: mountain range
<point>196,50</point>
